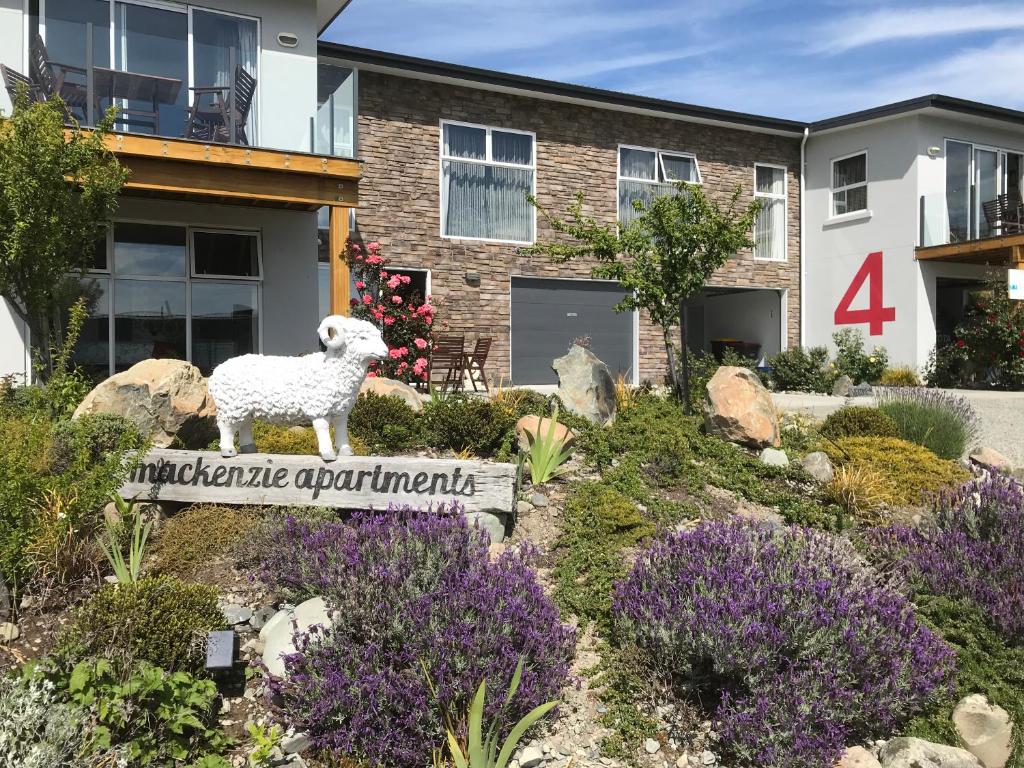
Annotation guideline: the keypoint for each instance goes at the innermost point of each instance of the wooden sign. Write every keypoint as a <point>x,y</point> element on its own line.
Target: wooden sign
<point>351,482</point>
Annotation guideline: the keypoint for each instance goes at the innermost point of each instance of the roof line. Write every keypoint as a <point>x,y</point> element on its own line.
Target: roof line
<point>345,4</point>
<point>933,101</point>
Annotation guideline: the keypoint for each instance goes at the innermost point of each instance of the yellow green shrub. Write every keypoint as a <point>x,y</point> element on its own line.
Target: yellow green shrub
<point>900,376</point>
<point>297,441</point>
<point>200,533</point>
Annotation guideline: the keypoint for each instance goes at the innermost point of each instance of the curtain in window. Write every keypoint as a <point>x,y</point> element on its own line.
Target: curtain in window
<point>637,164</point>
<point>770,230</point>
<point>644,191</point>
<point>215,37</point>
<point>464,141</point>
<point>487,201</point>
<point>679,168</point>
<point>852,170</point>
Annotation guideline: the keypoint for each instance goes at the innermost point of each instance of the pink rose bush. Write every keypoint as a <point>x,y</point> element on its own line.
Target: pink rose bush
<point>405,318</point>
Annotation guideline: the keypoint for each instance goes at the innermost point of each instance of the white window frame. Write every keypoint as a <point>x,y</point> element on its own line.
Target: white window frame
<point>860,212</point>
<point>784,197</point>
<point>488,129</point>
<point>659,169</point>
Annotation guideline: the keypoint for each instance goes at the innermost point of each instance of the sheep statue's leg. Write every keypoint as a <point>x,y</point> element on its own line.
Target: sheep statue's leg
<point>323,438</point>
<point>340,424</point>
<point>227,438</point>
<point>246,442</point>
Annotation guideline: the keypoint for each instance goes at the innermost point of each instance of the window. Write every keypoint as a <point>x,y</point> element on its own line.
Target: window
<point>770,226</point>
<point>645,174</point>
<point>850,184</point>
<point>169,291</point>
<point>486,174</point>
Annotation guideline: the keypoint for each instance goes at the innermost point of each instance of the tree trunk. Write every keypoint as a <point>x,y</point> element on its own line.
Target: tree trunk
<point>673,376</point>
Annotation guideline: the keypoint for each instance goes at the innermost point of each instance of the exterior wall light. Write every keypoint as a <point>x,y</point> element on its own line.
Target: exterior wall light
<point>934,151</point>
<point>288,39</point>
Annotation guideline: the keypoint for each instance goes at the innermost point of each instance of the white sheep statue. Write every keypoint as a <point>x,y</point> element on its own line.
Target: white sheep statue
<point>320,388</point>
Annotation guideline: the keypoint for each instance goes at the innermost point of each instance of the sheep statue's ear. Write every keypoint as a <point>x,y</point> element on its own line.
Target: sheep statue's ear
<point>332,323</point>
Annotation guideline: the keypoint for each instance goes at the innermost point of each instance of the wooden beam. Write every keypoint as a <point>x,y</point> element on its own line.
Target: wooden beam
<point>990,248</point>
<point>339,261</point>
<point>1017,257</point>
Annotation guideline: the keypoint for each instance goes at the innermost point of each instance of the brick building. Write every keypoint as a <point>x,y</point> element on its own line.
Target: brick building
<point>448,153</point>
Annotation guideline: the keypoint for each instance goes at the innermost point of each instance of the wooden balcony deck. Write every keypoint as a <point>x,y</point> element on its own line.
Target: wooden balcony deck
<point>999,251</point>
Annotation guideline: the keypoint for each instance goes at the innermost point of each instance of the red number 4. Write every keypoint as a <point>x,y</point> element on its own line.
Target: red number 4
<point>876,315</point>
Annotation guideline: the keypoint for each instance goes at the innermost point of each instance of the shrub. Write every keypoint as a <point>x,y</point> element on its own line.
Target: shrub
<point>158,619</point>
<point>853,361</point>
<point>910,471</point>
<point>974,550</point>
<point>807,649</point>
<point>92,437</point>
<point>292,441</point>
<point>195,536</point>
<point>900,376</point>
<point>460,423</point>
<point>37,728</point>
<point>858,491</point>
<point>801,370</point>
<point>944,423</point>
<point>859,421</point>
<point>407,589</point>
<point>384,423</point>
<point>523,402</point>
<point>800,433</point>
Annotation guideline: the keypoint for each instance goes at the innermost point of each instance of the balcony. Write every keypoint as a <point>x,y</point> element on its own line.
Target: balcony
<point>971,231</point>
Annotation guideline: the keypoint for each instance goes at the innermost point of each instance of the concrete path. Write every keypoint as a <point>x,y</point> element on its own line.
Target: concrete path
<point>1001,415</point>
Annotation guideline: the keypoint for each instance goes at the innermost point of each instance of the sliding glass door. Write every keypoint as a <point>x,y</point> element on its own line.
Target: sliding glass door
<point>974,176</point>
<point>221,42</point>
<point>986,188</point>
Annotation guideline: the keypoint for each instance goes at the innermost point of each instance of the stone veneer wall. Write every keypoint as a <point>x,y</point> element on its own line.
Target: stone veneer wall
<point>576,149</point>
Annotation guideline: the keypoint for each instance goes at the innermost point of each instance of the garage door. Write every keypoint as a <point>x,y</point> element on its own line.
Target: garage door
<point>547,315</point>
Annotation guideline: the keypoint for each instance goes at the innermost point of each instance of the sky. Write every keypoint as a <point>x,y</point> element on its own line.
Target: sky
<point>794,59</point>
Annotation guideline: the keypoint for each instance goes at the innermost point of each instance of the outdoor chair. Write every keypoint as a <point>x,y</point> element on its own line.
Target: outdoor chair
<point>475,362</point>
<point>14,80</point>
<point>51,78</point>
<point>1003,214</point>
<point>224,120</point>
<point>449,359</point>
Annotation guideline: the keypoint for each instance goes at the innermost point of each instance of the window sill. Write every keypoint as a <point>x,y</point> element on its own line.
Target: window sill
<point>492,241</point>
<point>847,218</point>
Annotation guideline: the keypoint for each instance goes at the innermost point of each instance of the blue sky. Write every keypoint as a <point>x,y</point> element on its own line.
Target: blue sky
<point>785,58</point>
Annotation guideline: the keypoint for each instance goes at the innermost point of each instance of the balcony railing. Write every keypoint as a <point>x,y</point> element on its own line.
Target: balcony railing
<point>968,219</point>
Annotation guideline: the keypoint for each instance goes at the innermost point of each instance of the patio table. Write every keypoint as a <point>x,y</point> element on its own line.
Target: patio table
<point>135,86</point>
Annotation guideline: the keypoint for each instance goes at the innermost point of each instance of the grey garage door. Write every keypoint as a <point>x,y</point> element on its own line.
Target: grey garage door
<point>547,315</point>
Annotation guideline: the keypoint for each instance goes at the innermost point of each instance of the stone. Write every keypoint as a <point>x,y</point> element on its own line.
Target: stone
<point>985,729</point>
<point>819,466</point>
<point>235,614</point>
<point>537,425</point>
<point>683,761</point>
<point>858,757</point>
<point>860,390</point>
<point>773,457</point>
<point>739,409</point>
<point>842,386</point>
<point>531,757</point>
<point>392,388</point>
<point>538,500</point>
<point>300,742</point>
<point>652,746</point>
<point>491,524</point>
<point>261,616</point>
<point>166,399</point>
<point>9,632</point>
<point>991,459</point>
<point>910,752</point>
<point>585,385</point>
<point>707,757</point>
<point>278,634</point>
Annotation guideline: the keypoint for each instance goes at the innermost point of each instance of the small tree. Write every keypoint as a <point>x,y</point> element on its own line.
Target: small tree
<point>58,191</point>
<point>662,258</point>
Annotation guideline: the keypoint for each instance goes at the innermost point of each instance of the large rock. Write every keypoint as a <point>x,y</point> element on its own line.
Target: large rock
<point>585,385</point>
<point>842,386</point>
<point>391,388</point>
<point>819,466</point>
<point>278,634</point>
<point>858,757</point>
<point>165,399</point>
<point>738,408</point>
<point>538,426</point>
<point>773,457</point>
<point>991,459</point>
<point>908,752</point>
<point>985,729</point>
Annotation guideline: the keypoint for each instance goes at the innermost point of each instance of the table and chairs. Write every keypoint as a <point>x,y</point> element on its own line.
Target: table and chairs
<point>451,363</point>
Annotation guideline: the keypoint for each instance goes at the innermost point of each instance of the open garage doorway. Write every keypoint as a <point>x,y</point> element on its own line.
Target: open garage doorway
<point>748,320</point>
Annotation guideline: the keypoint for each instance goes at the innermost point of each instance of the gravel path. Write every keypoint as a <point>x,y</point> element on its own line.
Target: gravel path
<point>1001,414</point>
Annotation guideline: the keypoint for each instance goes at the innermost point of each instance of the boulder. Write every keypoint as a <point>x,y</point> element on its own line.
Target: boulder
<point>818,465</point>
<point>985,729</point>
<point>909,752</point>
<point>842,386</point>
<point>858,757</point>
<point>9,632</point>
<point>738,408</point>
<point>391,388</point>
<point>278,635</point>
<point>585,385</point>
<point>491,524</point>
<point>861,390</point>
<point>537,425</point>
<point>166,399</point>
<point>773,457</point>
<point>991,459</point>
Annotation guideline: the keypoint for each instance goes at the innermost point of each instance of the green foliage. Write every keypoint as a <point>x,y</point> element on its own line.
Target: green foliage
<point>623,679</point>
<point>159,620</point>
<point>159,718</point>
<point>485,749</point>
<point>986,663</point>
<point>125,573</point>
<point>799,432</point>
<point>37,728</point>
<point>291,441</point>
<point>801,370</point>
<point>461,423</point>
<point>548,454</point>
<point>265,741</point>
<point>909,471</point>
<point>386,424</point>
<point>91,437</point>
<point>940,421</point>
<point>196,536</point>
<point>58,192</point>
<point>662,257</point>
<point>859,421</point>
<point>900,376</point>
<point>853,361</point>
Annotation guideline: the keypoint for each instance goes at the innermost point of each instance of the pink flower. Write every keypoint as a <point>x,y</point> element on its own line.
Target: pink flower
<point>370,374</point>
<point>367,299</point>
<point>373,259</point>
<point>420,343</point>
<point>420,365</point>
<point>396,299</point>
<point>383,275</point>
<point>406,279</point>
<point>394,353</point>
<point>428,320</point>
<point>353,302</point>
<point>389,321</point>
<point>374,246</point>
<point>360,285</point>
<point>394,282</point>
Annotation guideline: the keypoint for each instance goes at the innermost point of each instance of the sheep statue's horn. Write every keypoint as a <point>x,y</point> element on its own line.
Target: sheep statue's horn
<point>332,323</point>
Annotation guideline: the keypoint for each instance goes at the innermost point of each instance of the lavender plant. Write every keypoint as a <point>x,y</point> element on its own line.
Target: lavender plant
<point>408,588</point>
<point>804,646</point>
<point>942,422</point>
<point>974,550</point>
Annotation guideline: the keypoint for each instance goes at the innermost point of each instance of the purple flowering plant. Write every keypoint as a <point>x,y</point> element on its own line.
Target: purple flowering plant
<point>974,549</point>
<point>410,591</point>
<point>801,646</point>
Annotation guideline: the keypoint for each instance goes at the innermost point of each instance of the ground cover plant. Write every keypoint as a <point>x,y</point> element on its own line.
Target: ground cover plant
<point>944,423</point>
<point>193,537</point>
<point>410,592</point>
<point>859,421</point>
<point>716,604</point>
<point>37,728</point>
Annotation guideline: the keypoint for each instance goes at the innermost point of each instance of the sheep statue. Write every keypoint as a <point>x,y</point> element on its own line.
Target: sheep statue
<point>320,388</point>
